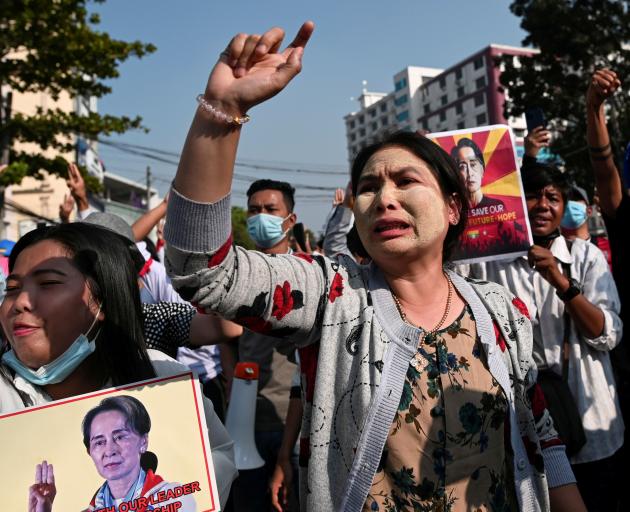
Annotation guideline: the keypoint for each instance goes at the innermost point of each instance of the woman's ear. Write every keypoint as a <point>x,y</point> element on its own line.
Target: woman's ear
<point>144,443</point>
<point>454,205</point>
<point>96,309</point>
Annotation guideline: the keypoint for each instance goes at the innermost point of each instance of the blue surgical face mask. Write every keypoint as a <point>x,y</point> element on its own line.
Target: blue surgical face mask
<point>56,371</point>
<point>266,230</point>
<point>574,215</point>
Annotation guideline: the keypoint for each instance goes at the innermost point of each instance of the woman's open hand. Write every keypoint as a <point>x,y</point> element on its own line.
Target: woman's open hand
<point>42,493</point>
<point>252,69</point>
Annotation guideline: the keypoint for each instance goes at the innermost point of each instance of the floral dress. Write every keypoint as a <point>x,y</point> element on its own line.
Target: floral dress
<point>446,449</point>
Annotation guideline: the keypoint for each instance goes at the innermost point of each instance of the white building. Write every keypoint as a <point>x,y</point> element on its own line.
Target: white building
<point>465,95</point>
<point>36,201</point>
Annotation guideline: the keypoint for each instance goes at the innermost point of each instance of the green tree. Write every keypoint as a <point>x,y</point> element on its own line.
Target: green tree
<point>239,228</point>
<point>53,46</point>
<point>574,37</point>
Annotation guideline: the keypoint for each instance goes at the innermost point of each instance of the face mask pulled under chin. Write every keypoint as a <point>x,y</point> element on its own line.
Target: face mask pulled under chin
<point>266,230</point>
<point>574,215</point>
<point>56,371</point>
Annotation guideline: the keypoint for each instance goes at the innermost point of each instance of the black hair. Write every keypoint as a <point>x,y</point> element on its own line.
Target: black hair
<point>104,259</point>
<point>131,408</point>
<point>536,176</point>
<point>288,192</point>
<point>442,166</point>
<point>151,248</point>
<point>468,143</point>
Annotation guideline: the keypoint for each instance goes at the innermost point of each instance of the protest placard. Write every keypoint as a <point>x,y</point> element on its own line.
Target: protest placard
<point>142,447</point>
<point>498,225</point>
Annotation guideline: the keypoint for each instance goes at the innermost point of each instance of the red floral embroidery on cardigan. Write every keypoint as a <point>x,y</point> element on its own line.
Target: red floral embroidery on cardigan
<point>220,255</point>
<point>499,337</point>
<point>336,290</point>
<point>520,305</point>
<point>282,301</point>
<point>304,256</point>
<point>286,300</point>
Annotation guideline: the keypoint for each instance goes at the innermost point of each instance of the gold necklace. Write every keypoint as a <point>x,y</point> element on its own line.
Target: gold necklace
<point>430,334</point>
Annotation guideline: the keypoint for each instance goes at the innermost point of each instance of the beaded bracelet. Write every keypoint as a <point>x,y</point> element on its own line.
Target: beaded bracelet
<point>221,116</point>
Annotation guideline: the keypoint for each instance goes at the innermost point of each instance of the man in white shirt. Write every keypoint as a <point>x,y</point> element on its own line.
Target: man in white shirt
<point>589,296</point>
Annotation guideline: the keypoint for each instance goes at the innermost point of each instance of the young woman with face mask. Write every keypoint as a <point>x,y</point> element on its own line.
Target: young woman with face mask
<point>417,383</point>
<point>72,319</point>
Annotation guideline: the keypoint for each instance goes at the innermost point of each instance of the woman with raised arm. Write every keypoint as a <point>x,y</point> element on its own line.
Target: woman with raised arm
<point>418,385</point>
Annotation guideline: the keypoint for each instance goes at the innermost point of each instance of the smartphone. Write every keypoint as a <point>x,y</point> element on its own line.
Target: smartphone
<point>299,235</point>
<point>535,117</point>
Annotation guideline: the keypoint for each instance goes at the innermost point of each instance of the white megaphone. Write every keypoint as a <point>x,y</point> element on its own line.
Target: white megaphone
<point>241,415</point>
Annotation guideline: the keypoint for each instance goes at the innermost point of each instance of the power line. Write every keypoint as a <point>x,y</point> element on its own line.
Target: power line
<point>240,177</point>
<point>142,150</point>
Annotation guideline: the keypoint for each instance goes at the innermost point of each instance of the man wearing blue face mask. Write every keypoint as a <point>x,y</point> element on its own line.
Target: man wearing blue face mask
<point>270,218</point>
<point>575,224</point>
<point>270,215</point>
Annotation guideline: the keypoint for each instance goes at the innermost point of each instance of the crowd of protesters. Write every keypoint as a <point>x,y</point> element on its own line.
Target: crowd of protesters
<point>389,378</point>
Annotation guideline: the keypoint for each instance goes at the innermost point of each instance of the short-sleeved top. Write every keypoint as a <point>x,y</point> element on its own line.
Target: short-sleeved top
<point>446,446</point>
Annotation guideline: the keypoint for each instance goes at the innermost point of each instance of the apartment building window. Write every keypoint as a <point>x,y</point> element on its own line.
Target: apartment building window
<point>361,120</point>
<point>458,74</point>
<point>362,132</point>
<point>353,137</point>
<point>352,124</point>
<point>403,116</point>
<point>478,63</point>
<point>425,125</point>
<point>372,112</point>
<point>459,108</point>
<point>401,100</point>
<point>460,91</point>
<point>401,84</point>
<point>384,107</point>
<point>443,82</point>
<point>444,100</point>
<point>480,82</point>
<point>384,121</point>
<point>427,109</point>
<point>443,115</point>
<point>481,119</point>
<point>374,126</point>
<point>461,125</point>
<point>479,100</point>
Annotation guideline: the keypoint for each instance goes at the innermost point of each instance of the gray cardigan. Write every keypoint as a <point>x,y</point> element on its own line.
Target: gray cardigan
<point>363,351</point>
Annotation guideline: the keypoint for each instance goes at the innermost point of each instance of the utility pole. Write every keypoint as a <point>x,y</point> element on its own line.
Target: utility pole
<point>148,186</point>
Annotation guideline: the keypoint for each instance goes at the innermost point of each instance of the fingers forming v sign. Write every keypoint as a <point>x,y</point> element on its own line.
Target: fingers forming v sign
<point>252,70</point>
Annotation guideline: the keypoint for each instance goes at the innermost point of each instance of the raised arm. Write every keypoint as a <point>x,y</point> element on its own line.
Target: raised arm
<point>339,223</point>
<point>143,226</point>
<point>603,85</point>
<point>249,71</point>
<point>257,291</point>
<point>78,191</point>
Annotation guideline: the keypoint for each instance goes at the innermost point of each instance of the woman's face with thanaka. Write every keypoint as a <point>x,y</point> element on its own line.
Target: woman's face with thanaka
<point>400,210</point>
